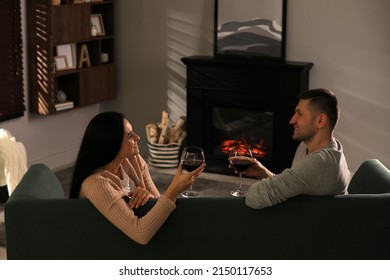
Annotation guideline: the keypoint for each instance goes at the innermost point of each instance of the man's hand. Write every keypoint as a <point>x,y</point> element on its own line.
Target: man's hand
<point>255,170</point>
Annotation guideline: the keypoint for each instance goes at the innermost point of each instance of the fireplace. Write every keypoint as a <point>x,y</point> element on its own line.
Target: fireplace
<point>243,102</point>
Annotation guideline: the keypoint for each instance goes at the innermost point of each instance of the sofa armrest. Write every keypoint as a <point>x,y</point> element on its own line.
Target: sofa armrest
<point>370,178</point>
<point>38,182</point>
<point>58,229</point>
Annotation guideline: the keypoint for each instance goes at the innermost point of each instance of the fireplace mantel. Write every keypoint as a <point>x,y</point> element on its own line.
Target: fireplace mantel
<point>244,75</point>
<point>238,80</point>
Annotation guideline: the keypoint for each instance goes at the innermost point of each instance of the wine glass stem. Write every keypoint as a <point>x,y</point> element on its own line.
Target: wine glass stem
<point>240,175</point>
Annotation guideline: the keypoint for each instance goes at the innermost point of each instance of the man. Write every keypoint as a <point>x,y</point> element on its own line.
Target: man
<point>319,166</point>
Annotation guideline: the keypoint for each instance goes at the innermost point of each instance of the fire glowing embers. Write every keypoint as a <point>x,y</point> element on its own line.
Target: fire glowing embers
<point>258,149</point>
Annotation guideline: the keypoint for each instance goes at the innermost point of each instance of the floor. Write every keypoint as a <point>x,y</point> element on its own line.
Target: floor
<point>208,176</point>
<point>3,253</point>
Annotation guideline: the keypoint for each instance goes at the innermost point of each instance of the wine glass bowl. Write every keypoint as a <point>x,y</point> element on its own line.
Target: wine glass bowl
<point>239,158</point>
<point>241,165</point>
<point>191,159</point>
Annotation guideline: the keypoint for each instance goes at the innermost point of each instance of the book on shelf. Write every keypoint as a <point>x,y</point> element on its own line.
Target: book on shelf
<point>64,105</point>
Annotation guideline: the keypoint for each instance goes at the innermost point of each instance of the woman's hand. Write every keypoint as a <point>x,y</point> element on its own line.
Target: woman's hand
<point>139,197</point>
<point>182,181</point>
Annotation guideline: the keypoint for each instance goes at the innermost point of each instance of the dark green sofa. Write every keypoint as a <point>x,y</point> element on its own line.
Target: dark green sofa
<point>42,224</point>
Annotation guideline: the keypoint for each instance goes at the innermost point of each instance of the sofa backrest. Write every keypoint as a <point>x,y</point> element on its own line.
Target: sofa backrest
<point>372,177</point>
<point>38,182</point>
<point>317,227</point>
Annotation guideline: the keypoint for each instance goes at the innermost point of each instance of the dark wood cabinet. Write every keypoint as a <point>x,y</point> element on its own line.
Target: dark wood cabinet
<point>66,56</point>
<point>96,84</point>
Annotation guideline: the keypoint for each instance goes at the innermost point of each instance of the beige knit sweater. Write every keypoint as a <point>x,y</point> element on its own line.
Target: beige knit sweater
<point>105,192</point>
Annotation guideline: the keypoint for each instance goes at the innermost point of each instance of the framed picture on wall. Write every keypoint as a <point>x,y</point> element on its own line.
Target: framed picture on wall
<point>61,62</point>
<point>68,51</point>
<point>97,21</point>
<point>250,28</point>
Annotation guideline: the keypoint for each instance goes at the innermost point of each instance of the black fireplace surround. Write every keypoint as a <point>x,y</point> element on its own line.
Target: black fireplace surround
<point>245,86</point>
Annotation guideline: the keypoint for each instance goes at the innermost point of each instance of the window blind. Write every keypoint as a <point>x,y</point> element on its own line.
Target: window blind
<point>11,61</point>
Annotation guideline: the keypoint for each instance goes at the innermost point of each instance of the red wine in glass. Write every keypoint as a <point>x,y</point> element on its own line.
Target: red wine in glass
<point>191,159</point>
<point>191,165</point>
<point>240,164</point>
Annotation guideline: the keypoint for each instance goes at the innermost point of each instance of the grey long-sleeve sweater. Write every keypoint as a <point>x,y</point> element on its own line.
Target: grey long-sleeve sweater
<point>324,172</point>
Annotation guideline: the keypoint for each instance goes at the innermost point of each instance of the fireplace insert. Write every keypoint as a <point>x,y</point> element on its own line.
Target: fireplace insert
<point>232,126</point>
<point>234,102</point>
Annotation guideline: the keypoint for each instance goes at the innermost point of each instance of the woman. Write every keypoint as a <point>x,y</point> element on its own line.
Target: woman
<point>108,165</point>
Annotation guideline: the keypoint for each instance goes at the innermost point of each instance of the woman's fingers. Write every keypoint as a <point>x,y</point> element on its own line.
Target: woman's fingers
<point>139,197</point>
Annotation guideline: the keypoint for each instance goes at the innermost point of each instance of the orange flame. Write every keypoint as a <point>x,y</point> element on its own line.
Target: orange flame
<point>258,149</point>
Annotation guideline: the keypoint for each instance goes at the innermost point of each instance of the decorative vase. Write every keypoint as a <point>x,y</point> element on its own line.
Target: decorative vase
<point>93,30</point>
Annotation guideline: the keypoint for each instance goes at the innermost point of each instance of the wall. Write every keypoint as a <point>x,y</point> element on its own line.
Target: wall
<point>152,37</point>
<point>346,40</point>
<point>53,140</point>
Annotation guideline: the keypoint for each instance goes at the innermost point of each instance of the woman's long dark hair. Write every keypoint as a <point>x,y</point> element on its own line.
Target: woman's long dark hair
<point>101,143</point>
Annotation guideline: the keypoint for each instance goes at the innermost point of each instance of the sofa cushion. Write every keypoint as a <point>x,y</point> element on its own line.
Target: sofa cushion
<point>372,177</point>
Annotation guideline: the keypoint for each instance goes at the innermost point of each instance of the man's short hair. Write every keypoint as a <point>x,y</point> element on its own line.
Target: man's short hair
<point>323,101</point>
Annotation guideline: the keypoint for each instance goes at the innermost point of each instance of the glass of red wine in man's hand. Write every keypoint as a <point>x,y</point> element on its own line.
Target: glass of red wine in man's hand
<point>239,158</point>
<point>191,159</point>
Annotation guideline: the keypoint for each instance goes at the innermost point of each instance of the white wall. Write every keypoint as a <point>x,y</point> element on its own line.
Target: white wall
<point>347,41</point>
<point>151,38</point>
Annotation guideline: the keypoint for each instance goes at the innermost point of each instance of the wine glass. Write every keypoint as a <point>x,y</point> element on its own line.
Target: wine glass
<point>191,159</point>
<point>240,165</point>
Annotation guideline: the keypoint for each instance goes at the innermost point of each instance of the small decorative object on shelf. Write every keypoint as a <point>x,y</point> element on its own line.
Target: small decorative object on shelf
<point>61,96</point>
<point>64,105</point>
<point>93,30</point>
<point>97,21</point>
<point>61,102</point>
<point>60,63</point>
<point>104,57</point>
<point>84,56</point>
<point>68,51</point>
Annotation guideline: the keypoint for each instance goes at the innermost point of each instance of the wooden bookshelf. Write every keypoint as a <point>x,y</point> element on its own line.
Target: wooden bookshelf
<point>66,55</point>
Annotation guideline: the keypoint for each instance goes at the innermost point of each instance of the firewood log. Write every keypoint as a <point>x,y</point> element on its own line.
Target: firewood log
<point>152,133</point>
<point>176,131</point>
<point>164,127</point>
<point>175,134</point>
<point>181,121</point>
<point>182,137</point>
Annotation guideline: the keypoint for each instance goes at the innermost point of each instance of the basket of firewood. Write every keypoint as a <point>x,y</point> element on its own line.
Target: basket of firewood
<point>164,141</point>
